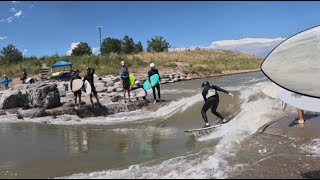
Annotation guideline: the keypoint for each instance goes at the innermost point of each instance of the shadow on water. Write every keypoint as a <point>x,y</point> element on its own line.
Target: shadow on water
<point>307,117</point>
<point>311,175</point>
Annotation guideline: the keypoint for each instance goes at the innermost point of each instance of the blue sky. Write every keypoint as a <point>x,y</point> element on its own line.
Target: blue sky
<point>44,28</point>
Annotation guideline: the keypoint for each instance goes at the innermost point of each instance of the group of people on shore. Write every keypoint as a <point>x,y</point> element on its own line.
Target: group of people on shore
<point>127,87</point>
<point>90,78</point>
<point>125,81</point>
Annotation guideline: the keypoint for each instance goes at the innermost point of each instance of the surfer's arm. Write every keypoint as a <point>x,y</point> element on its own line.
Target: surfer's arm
<point>204,96</point>
<point>222,90</point>
<point>149,75</point>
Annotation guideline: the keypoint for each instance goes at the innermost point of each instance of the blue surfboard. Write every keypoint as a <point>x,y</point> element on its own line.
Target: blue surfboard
<point>6,81</point>
<point>154,80</point>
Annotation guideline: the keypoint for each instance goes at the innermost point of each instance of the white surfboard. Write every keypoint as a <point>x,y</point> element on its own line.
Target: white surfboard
<point>138,93</point>
<point>299,101</point>
<point>27,80</point>
<point>206,128</point>
<point>272,90</point>
<point>294,64</point>
<point>76,85</point>
<point>87,86</point>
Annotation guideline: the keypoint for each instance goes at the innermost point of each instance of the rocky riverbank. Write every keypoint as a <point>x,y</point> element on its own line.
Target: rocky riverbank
<point>45,98</point>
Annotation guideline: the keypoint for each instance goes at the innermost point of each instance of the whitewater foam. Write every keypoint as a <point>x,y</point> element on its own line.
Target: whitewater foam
<point>211,161</point>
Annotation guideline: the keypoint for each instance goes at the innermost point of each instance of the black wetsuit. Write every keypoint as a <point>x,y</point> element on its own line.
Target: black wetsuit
<point>211,98</point>
<point>150,73</point>
<point>89,77</point>
<point>24,77</point>
<point>76,93</point>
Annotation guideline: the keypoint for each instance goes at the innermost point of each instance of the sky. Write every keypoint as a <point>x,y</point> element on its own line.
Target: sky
<point>45,28</point>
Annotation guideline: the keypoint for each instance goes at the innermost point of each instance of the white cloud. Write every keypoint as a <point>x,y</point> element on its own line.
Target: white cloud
<point>95,50</point>
<point>8,20</point>
<point>73,45</point>
<point>254,46</point>
<point>13,10</point>
<point>3,37</point>
<point>15,2</point>
<point>24,51</point>
<point>18,13</point>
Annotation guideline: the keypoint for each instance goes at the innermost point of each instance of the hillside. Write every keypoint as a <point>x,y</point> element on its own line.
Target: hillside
<point>189,62</point>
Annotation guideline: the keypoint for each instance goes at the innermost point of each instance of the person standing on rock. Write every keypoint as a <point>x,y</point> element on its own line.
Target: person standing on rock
<point>24,76</point>
<point>211,99</point>
<point>151,72</point>
<point>7,81</point>
<point>90,78</point>
<point>76,75</point>
<point>124,76</point>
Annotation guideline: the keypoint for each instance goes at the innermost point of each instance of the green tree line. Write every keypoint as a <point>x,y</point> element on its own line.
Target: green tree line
<point>10,54</point>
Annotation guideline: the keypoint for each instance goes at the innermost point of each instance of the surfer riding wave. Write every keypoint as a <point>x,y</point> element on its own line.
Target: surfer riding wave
<point>211,99</point>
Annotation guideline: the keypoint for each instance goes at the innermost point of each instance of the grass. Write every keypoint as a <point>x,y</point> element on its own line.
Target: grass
<point>189,62</point>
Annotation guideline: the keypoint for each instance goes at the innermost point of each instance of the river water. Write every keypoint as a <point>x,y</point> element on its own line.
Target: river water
<point>140,144</point>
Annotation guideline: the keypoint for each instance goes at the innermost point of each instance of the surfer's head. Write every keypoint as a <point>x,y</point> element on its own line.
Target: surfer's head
<point>205,83</point>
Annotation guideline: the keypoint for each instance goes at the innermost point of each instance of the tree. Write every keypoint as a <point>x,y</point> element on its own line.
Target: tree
<point>127,45</point>
<point>111,45</point>
<point>11,54</point>
<point>138,47</point>
<point>157,44</point>
<point>82,49</point>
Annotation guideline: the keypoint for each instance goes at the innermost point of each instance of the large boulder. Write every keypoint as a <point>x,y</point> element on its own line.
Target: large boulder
<point>13,99</point>
<point>45,95</point>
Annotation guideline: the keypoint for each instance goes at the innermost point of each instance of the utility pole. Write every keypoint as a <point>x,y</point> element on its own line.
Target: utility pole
<point>99,27</point>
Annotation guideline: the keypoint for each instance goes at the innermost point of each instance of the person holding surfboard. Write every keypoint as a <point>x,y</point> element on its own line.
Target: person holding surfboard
<point>151,72</point>
<point>211,99</point>
<point>89,77</point>
<point>124,76</point>
<point>76,75</point>
<point>7,82</point>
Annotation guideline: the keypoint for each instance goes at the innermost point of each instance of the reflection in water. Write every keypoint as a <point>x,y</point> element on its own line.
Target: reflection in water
<point>76,141</point>
<point>146,139</point>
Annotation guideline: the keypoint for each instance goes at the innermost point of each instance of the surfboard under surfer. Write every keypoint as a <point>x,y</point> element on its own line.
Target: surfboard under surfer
<point>211,99</point>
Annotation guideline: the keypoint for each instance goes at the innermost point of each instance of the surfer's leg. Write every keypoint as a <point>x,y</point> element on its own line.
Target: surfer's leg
<point>300,116</point>
<point>75,100</point>
<point>204,110</point>
<point>214,108</point>
<point>129,94</point>
<point>158,89</point>
<point>91,100</point>
<point>79,99</point>
<point>154,94</point>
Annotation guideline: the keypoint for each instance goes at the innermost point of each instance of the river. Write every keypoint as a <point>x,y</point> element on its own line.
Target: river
<point>140,144</point>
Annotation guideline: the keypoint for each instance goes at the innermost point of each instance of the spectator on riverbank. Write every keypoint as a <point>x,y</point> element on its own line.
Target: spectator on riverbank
<point>90,78</point>
<point>7,81</point>
<point>151,72</point>
<point>124,76</point>
<point>24,76</point>
<point>77,94</point>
